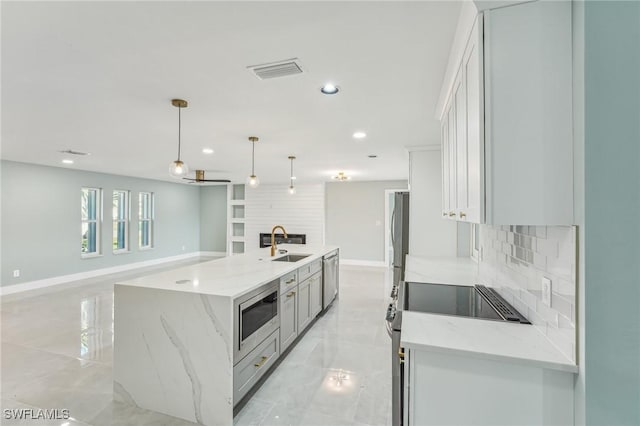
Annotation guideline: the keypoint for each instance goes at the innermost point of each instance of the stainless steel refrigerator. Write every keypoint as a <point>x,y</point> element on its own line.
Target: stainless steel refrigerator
<point>400,234</point>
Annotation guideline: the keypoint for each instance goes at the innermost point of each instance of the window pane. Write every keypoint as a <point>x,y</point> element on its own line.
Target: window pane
<point>144,233</point>
<point>85,237</point>
<point>91,204</point>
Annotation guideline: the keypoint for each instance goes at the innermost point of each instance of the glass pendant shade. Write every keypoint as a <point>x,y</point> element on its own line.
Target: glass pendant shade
<point>253,181</point>
<point>178,169</point>
<point>292,190</point>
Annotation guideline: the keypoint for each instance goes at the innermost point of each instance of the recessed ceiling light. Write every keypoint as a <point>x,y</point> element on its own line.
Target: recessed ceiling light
<point>330,89</point>
<point>359,135</point>
<point>67,161</point>
<point>373,156</point>
<point>207,151</point>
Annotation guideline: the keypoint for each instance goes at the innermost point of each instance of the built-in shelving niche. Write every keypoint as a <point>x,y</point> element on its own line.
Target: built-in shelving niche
<point>235,219</point>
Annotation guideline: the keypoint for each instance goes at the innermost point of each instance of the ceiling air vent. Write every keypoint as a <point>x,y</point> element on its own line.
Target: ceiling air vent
<point>277,69</point>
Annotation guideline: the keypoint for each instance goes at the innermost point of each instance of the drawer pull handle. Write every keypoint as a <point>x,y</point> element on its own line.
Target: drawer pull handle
<point>452,214</point>
<point>293,293</point>
<point>290,281</point>
<point>444,213</point>
<point>463,214</point>
<point>262,361</point>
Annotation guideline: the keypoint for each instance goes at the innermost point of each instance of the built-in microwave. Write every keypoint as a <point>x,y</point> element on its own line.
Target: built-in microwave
<point>256,317</point>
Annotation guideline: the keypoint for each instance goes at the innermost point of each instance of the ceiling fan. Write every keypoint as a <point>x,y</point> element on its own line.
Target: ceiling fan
<point>200,178</point>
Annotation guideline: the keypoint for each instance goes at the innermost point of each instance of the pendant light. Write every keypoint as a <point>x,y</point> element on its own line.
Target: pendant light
<point>178,169</point>
<point>253,180</point>
<point>292,189</point>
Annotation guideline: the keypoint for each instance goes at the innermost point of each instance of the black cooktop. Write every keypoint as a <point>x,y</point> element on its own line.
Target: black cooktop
<point>476,302</point>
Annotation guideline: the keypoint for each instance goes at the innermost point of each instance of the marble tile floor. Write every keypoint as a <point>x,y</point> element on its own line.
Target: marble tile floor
<point>56,352</point>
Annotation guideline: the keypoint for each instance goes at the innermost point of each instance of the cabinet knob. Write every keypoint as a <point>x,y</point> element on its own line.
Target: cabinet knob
<point>444,213</point>
<point>463,214</point>
<point>293,293</point>
<point>452,214</point>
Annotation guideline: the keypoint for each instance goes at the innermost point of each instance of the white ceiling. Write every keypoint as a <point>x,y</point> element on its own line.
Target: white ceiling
<point>99,77</point>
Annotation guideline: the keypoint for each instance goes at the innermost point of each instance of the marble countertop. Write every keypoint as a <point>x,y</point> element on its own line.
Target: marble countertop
<point>230,276</point>
<point>487,339</point>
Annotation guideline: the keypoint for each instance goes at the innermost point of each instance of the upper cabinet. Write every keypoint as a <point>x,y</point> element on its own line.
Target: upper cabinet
<point>507,153</point>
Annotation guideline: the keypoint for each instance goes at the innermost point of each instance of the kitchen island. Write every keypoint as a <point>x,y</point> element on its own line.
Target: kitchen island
<point>178,346</point>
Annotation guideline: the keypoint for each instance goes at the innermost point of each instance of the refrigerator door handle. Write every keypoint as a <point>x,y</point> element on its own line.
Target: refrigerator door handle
<point>393,227</point>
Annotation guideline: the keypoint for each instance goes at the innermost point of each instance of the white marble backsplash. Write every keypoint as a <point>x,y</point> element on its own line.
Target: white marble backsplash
<point>514,259</point>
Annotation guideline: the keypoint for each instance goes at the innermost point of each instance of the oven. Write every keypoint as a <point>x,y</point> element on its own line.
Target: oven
<point>256,317</point>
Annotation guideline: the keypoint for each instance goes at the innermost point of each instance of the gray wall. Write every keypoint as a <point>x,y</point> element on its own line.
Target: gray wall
<point>612,203</point>
<point>353,211</point>
<point>41,220</point>
<point>213,218</point>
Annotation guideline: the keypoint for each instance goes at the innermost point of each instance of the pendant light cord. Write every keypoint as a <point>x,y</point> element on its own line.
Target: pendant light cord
<point>253,157</point>
<point>291,176</point>
<point>179,125</point>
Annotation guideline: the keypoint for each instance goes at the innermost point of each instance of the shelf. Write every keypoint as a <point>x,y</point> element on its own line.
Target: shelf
<point>237,239</point>
<point>238,220</point>
<point>236,202</point>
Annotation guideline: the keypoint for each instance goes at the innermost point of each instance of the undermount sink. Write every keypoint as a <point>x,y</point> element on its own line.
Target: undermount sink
<point>291,258</point>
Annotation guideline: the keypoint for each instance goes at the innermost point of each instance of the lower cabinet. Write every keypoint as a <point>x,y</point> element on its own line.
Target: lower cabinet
<point>315,294</point>
<point>288,317</point>
<point>304,305</point>
<point>491,392</point>
<point>248,371</point>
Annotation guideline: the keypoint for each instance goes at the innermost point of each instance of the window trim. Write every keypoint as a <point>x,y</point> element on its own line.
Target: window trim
<point>97,221</point>
<point>475,254</point>
<point>150,219</point>
<point>126,221</point>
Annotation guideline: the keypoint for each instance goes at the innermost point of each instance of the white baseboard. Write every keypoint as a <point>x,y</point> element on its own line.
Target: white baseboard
<point>63,279</point>
<point>356,262</point>
<point>213,253</point>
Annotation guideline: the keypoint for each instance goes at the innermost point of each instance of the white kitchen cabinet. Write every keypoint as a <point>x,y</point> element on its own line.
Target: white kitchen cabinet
<point>288,310</point>
<point>304,305</point>
<point>315,294</point>
<point>510,143</point>
<point>455,389</point>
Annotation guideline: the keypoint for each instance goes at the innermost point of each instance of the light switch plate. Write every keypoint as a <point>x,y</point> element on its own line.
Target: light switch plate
<point>16,273</point>
<point>546,291</point>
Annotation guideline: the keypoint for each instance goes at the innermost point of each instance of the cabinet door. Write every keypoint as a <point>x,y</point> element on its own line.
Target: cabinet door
<point>304,305</point>
<point>459,110</point>
<point>451,125</point>
<point>444,125</point>
<point>470,205</point>
<point>288,319</point>
<point>315,297</point>
<point>448,162</point>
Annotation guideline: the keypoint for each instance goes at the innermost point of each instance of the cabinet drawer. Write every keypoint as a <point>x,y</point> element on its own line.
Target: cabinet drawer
<point>307,270</point>
<point>288,281</point>
<point>248,371</point>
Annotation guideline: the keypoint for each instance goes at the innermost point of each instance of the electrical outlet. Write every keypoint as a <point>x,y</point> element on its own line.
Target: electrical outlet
<point>184,248</point>
<point>546,291</point>
<point>16,273</point>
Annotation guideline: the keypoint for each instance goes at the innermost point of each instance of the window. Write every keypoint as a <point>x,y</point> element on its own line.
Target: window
<point>120,221</point>
<point>145,220</point>
<point>91,218</point>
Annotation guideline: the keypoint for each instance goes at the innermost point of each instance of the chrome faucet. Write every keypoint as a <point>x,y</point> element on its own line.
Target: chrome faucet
<point>273,238</point>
